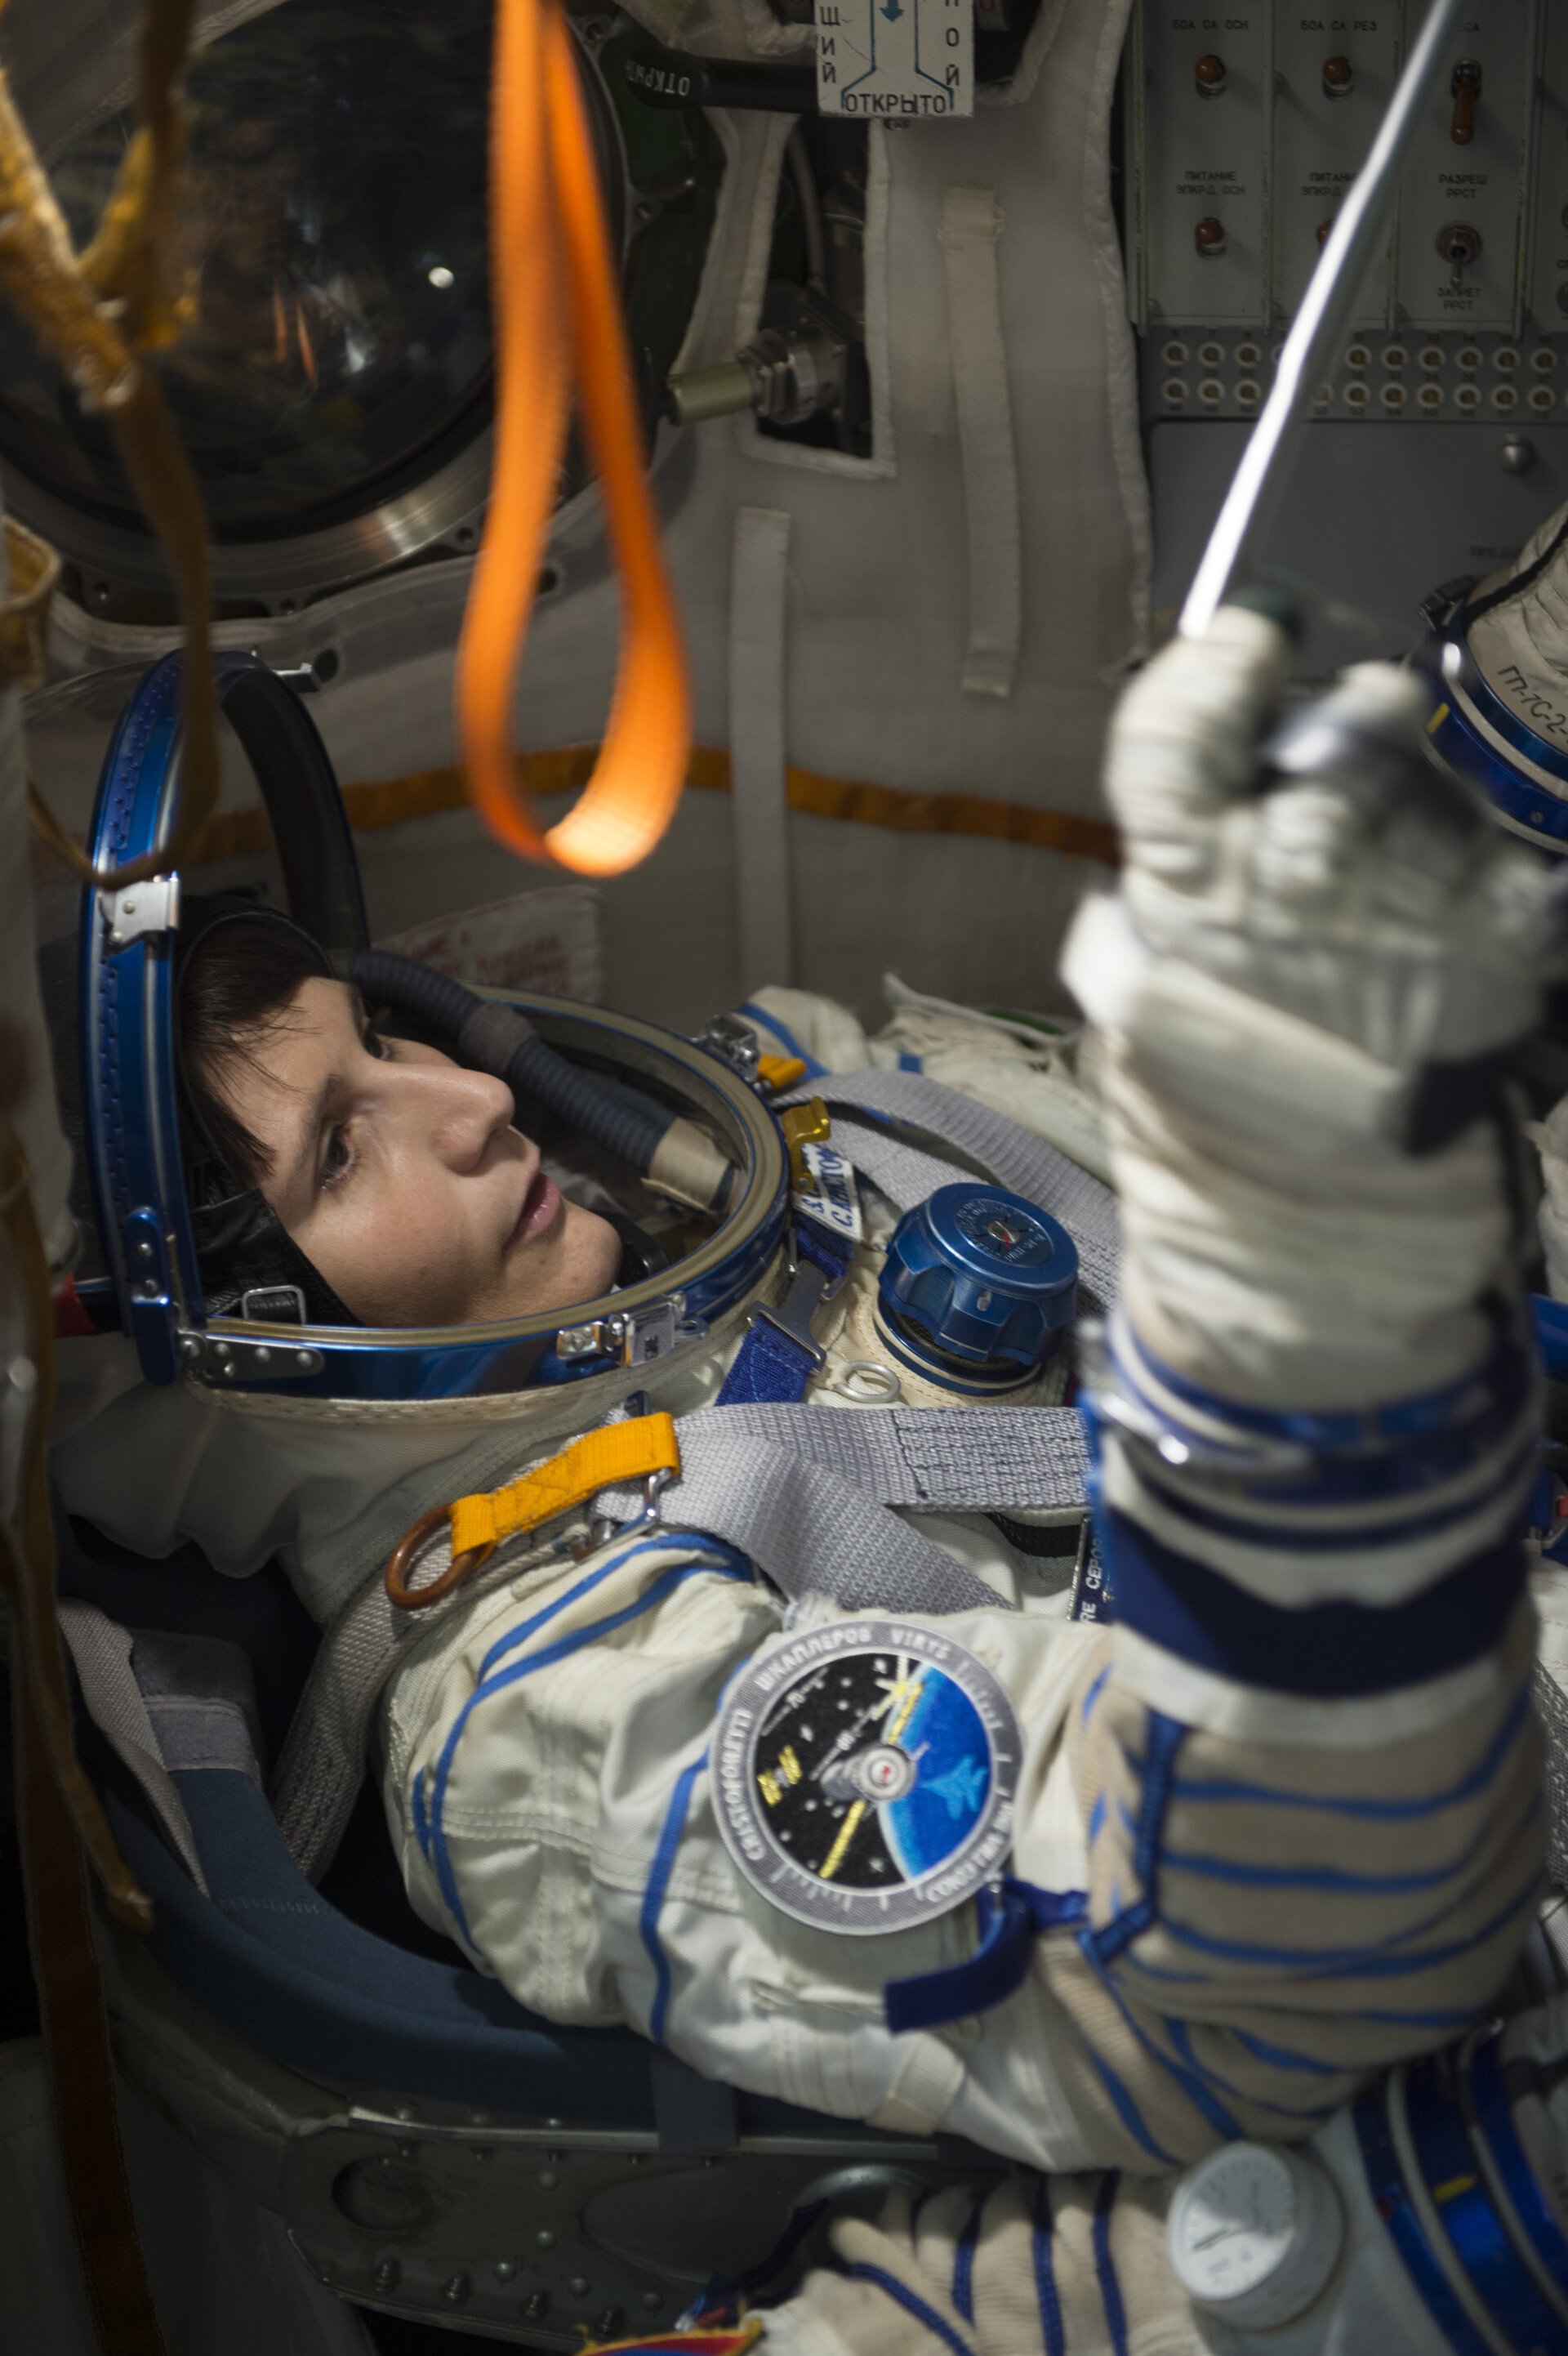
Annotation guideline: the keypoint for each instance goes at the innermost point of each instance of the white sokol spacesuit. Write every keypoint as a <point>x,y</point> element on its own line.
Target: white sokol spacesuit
<point>1281,1824</point>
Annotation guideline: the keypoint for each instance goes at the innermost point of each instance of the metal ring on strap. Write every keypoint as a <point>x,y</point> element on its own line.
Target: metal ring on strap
<point>462,1566</point>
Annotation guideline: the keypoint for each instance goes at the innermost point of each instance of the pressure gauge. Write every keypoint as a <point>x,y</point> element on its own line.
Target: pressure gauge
<point>1254,2232</point>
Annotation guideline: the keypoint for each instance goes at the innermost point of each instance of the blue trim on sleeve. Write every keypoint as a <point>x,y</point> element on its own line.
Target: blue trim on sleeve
<point>1045,2294</point>
<point>1488,1396</point>
<point>963,2263</point>
<point>421,1820</point>
<point>1354,1963</point>
<point>1333,1651</point>
<point>901,2295</point>
<point>1330,1879</point>
<point>1127,2111</point>
<point>1180,2035</point>
<point>1207,2105</point>
<point>1105,2267</point>
<point>729,1566</point>
<point>1222,1794</point>
<point>654,1894</point>
<point>785,1037</point>
<point>1166,1737</point>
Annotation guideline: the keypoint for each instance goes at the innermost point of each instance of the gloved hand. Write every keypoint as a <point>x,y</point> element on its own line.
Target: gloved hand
<point>1314,961</point>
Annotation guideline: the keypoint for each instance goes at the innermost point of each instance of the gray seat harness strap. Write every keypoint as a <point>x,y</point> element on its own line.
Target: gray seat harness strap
<point>803,1491</point>
<point>1010,1153</point>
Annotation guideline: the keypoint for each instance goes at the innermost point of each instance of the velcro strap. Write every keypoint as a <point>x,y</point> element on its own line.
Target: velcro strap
<point>619,1452</point>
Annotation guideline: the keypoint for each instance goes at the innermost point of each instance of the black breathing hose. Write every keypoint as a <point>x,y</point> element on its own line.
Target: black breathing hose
<point>502,1041</point>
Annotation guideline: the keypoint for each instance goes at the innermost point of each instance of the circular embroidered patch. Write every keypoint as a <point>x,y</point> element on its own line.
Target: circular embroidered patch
<point>865,1776</point>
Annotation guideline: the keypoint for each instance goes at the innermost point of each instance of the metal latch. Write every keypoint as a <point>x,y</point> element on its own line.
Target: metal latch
<point>736,1040</point>
<point>793,1314</point>
<point>141,908</point>
<point>635,1336</point>
<point>232,1357</point>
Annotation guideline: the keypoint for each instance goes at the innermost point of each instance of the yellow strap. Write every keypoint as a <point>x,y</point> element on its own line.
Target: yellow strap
<point>620,1451</point>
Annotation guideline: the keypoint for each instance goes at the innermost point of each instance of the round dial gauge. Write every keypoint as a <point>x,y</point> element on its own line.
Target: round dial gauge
<point>1254,2232</point>
<point>866,1775</point>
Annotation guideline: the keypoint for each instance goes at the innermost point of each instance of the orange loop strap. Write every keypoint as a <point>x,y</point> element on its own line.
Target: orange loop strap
<point>601,1460</point>
<point>558,313</point>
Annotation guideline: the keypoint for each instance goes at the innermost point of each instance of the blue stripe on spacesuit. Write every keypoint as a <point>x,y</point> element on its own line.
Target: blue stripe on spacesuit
<point>1127,2111</point>
<point>731,1565</point>
<point>1164,1740</point>
<point>1180,2036</point>
<point>1488,1395</point>
<point>1332,1880</point>
<point>963,2263</point>
<point>1105,2267</point>
<point>1045,2294</point>
<point>911,2302</point>
<point>1401,1811</point>
<point>1424,1488</point>
<point>1335,1650</point>
<point>654,1894</point>
<point>1191,2084</point>
<point>1353,1963</point>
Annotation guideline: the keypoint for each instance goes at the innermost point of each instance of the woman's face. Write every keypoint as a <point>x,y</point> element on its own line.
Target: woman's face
<point>401,1177</point>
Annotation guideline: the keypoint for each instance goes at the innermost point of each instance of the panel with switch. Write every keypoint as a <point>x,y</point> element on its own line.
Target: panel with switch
<point>1333,76</point>
<point>1202,138</point>
<point>1246,131</point>
<point>1461,214</point>
<point>1454,358</point>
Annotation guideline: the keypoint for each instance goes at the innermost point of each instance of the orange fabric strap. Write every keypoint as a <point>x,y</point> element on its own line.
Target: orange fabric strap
<point>620,1451</point>
<point>557,315</point>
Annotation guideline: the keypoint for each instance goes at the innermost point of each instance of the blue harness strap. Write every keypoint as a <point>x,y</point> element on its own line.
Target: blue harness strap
<point>779,1355</point>
<point>1007,1924</point>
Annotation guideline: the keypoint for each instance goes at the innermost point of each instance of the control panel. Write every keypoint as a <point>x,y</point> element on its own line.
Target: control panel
<point>1248,128</point>
<point>1245,127</point>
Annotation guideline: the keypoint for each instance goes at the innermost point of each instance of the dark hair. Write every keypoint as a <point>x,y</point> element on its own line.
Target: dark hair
<point>233,992</point>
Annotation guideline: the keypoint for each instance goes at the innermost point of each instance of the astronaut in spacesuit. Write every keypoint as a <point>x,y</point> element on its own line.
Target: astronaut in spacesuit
<point>1282,1824</point>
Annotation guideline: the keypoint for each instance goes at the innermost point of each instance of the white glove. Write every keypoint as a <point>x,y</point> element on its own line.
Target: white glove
<point>1277,977</point>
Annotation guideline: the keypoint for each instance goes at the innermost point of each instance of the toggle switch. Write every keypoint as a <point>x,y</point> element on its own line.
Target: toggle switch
<point>1459,245</point>
<point>1467,89</point>
<point>1336,77</point>
<point>1209,237</point>
<point>1210,75</point>
<point>1325,231</point>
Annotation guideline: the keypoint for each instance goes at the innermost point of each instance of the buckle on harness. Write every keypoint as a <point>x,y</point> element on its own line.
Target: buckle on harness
<point>808,1286</point>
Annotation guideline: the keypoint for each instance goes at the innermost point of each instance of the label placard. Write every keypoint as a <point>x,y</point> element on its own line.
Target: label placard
<point>902,58</point>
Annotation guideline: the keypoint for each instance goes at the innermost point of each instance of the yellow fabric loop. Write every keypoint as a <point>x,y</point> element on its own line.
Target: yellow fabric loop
<point>621,1452</point>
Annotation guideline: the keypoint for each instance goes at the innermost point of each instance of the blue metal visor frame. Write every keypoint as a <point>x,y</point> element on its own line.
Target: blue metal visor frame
<point>131,1118</point>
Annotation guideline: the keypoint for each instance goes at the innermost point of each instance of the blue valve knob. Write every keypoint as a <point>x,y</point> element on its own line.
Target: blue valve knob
<point>978,1287</point>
